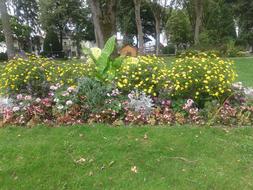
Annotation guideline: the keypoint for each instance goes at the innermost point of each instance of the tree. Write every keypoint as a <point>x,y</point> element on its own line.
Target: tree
<point>198,7</point>
<point>7,29</point>
<point>244,13</point>
<point>218,22</point>
<point>51,43</point>
<point>67,17</point>
<point>82,27</point>
<point>26,12</point>
<point>126,21</point>
<point>137,8</point>
<point>21,33</point>
<point>178,28</point>
<point>104,19</point>
<point>158,8</point>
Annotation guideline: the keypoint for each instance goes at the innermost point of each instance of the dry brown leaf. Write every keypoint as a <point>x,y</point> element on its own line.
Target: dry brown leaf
<point>134,169</point>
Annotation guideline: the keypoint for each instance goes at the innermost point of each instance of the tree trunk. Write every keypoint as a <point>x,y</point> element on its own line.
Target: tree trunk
<point>137,7</point>
<point>157,28</point>
<point>61,39</point>
<point>198,6</point>
<point>79,48</point>
<point>7,29</point>
<point>104,20</point>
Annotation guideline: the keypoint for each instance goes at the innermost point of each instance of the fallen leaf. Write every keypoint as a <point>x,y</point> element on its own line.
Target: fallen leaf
<point>111,163</point>
<point>145,136</point>
<point>103,167</point>
<point>80,161</point>
<point>90,173</point>
<point>134,169</point>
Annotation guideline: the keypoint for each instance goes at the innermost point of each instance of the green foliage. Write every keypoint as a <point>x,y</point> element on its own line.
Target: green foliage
<point>145,73</point>
<point>21,32</point>
<point>179,27</point>
<point>105,66</point>
<point>202,77</point>
<point>61,14</point>
<point>232,50</point>
<point>51,43</point>
<point>3,56</point>
<point>92,94</point>
<point>169,49</point>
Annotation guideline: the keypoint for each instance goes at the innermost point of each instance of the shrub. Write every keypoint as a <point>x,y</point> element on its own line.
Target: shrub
<point>197,53</point>
<point>140,102</point>
<point>92,97</point>
<point>202,77</point>
<point>146,74</point>
<point>67,73</point>
<point>170,49</point>
<point>25,75</point>
<point>33,75</point>
<point>3,56</point>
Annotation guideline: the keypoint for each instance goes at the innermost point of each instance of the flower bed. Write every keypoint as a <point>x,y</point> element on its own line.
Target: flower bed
<point>144,90</point>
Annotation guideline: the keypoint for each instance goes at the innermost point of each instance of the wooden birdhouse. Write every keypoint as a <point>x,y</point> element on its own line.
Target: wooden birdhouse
<point>128,50</point>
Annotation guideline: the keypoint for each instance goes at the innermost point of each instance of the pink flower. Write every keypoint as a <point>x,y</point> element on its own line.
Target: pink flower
<point>19,96</point>
<point>46,102</point>
<point>51,94</point>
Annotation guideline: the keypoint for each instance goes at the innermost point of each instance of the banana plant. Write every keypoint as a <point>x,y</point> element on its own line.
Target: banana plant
<point>105,65</point>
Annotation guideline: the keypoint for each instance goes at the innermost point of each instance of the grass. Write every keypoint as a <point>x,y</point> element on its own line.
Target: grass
<point>244,67</point>
<point>169,158</point>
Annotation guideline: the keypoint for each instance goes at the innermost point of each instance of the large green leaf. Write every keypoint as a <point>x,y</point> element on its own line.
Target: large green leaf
<point>103,60</point>
<point>117,62</point>
<point>88,52</point>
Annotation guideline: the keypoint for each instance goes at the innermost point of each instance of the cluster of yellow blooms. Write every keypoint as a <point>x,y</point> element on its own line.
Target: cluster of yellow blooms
<point>191,76</point>
<point>148,74</point>
<point>201,76</point>
<point>20,72</point>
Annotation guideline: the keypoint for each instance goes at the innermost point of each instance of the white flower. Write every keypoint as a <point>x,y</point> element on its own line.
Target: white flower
<point>60,107</point>
<point>65,94</point>
<point>28,97</point>
<point>248,91</point>
<point>69,102</point>
<point>53,87</point>
<point>70,89</point>
<point>56,100</point>
<point>38,100</point>
<point>16,108</point>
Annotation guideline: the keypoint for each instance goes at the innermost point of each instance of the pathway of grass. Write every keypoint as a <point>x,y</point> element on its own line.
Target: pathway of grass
<point>101,158</point>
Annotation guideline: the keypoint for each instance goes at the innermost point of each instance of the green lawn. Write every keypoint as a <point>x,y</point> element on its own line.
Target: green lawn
<point>244,67</point>
<point>101,158</point>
